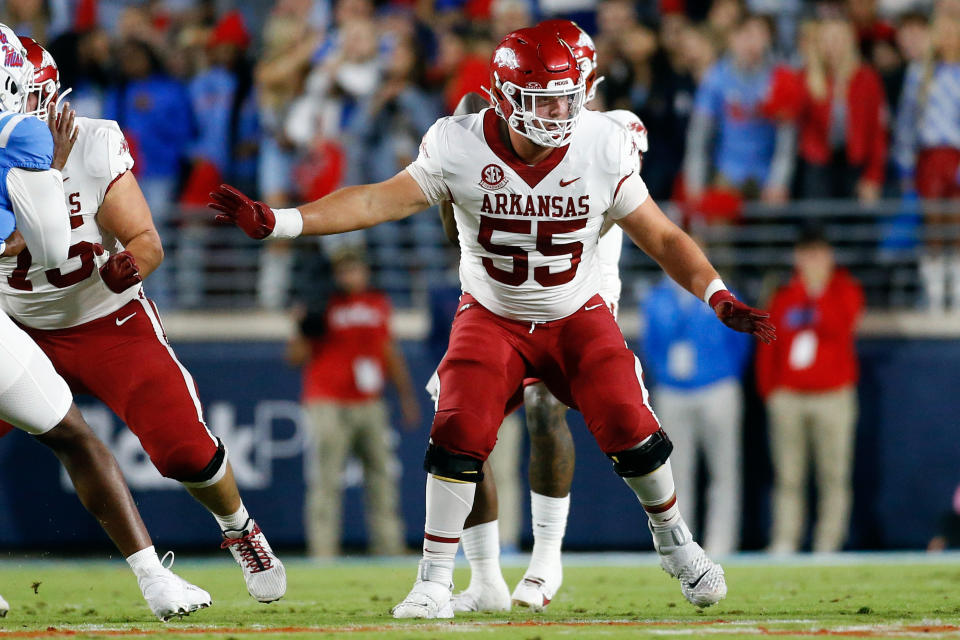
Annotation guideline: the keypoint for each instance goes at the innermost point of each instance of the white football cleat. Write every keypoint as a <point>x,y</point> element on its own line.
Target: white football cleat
<point>263,573</point>
<point>427,599</point>
<point>483,596</point>
<point>536,593</point>
<point>4,608</point>
<point>169,595</point>
<point>701,580</point>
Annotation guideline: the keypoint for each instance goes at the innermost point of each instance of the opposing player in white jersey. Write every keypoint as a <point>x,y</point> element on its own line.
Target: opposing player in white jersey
<point>552,453</point>
<point>91,317</point>
<point>33,397</point>
<point>532,180</point>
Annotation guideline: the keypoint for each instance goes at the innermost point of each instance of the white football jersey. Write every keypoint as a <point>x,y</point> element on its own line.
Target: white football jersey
<point>74,293</point>
<point>528,235</point>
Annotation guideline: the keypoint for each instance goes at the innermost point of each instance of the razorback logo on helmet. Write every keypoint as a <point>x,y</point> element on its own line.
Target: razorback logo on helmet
<point>492,177</point>
<point>507,57</point>
<point>534,85</point>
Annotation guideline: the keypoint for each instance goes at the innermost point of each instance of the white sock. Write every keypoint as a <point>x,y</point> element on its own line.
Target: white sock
<point>658,496</point>
<point>481,546</point>
<point>549,516</point>
<point>145,562</point>
<point>448,505</point>
<point>233,524</point>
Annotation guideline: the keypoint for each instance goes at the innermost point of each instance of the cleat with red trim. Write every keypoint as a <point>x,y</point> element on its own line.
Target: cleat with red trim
<point>701,580</point>
<point>263,572</point>
<point>427,599</point>
<point>536,593</point>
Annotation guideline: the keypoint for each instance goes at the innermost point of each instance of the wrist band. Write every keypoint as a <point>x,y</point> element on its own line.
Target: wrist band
<point>289,223</point>
<point>715,285</point>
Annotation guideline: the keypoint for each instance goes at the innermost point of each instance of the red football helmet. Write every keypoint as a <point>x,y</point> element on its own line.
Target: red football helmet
<point>46,78</point>
<point>536,86</point>
<point>583,49</point>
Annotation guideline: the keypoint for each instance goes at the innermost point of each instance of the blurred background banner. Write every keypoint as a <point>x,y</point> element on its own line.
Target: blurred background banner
<point>906,455</point>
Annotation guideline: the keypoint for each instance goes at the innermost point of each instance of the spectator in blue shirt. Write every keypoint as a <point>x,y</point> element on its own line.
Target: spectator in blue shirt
<point>696,366</point>
<point>226,112</point>
<point>730,143</point>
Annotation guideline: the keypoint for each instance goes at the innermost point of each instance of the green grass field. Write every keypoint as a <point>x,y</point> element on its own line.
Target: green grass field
<point>628,596</point>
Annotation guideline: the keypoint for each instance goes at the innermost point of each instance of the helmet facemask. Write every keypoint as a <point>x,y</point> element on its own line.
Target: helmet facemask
<point>46,93</point>
<point>547,117</point>
<point>13,97</point>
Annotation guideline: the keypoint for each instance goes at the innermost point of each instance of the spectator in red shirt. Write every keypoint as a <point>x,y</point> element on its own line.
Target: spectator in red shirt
<point>808,379</point>
<point>842,118</point>
<point>347,352</point>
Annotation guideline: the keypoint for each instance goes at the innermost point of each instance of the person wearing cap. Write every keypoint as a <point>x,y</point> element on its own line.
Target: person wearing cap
<point>347,353</point>
<point>808,379</point>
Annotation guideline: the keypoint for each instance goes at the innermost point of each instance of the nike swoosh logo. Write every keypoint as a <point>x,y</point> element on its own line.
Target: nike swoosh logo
<point>67,178</point>
<point>564,183</point>
<point>593,307</point>
<point>693,585</point>
<point>121,321</point>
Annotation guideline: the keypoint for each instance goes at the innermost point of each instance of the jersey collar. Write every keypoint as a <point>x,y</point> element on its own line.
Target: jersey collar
<point>531,174</point>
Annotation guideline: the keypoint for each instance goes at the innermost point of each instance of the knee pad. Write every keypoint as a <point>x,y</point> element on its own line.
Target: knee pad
<point>191,468</point>
<point>643,459</point>
<point>452,466</point>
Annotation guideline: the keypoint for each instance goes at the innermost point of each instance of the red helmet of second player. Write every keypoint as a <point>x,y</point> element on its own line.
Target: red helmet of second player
<point>537,86</point>
<point>583,50</point>
<point>46,78</point>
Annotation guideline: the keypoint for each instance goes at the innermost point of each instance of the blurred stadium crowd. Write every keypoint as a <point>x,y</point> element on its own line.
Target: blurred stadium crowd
<point>768,100</point>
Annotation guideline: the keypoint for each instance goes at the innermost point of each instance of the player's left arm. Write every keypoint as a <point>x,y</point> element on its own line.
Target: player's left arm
<point>125,214</point>
<point>661,239</point>
<point>683,261</point>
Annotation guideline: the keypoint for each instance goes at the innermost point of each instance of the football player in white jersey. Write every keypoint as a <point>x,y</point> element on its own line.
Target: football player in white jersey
<point>551,444</point>
<point>532,180</point>
<point>82,310</point>
<point>33,397</point>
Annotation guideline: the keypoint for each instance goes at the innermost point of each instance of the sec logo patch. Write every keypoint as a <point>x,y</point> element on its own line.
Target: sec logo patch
<point>492,177</point>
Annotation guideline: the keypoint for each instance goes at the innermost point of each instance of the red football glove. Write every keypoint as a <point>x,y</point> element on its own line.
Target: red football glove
<point>120,271</point>
<point>255,218</point>
<point>741,317</point>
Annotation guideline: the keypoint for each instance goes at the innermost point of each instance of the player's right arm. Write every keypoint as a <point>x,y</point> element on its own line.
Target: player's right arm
<point>419,186</point>
<point>347,209</point>
<point>41,211</point>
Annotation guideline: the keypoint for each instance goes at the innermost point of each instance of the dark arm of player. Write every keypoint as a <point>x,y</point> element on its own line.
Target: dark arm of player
<point>400,377</point>
<point>13,245</point>
<point>449,223</point>
<point>125,214</point>
<point>347,209</point>
<point>683,261</point>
